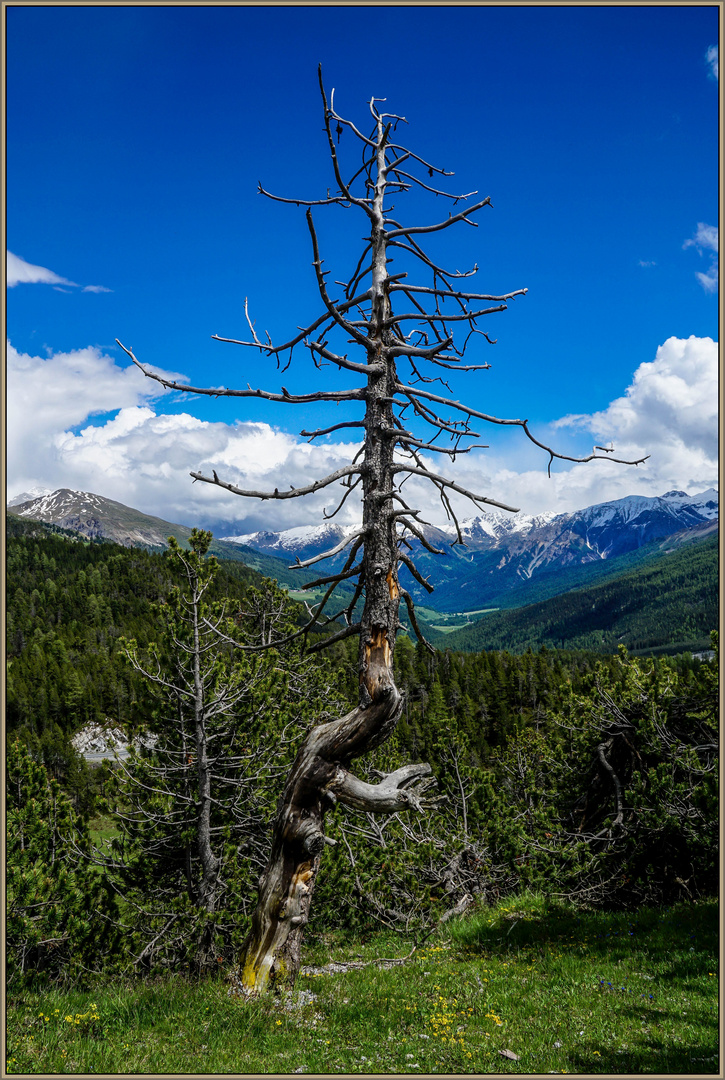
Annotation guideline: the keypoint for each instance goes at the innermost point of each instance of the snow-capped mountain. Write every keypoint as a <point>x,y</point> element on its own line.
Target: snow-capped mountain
<point>94,516</point>
<point>301,541</point>
<point>504,556</point>
<point>28,496</point>
<point>503,552</point>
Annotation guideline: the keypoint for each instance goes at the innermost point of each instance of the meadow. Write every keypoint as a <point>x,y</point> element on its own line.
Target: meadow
<point>529,986</point>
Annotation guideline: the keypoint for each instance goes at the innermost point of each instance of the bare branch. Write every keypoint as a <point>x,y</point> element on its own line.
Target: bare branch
<point>342,576</point>
<point>414,621</point>
<point>334,638</point>
<point>420,536</point>
<point>400,790</point>
<point>335,427</point>
<point>350,488</point>
<point>342,200</point>
<point>331,307</point>
<point>218,391</point>
<point>415,572</point>
<point>328,554</point>
<point>457,295</point>
<point>423,162</point>
<point>430,319</point>
<point>420,254</point>
<point>426,187</point>
<point>294,493</point>
<point>454,487</point>
<point>463,216</point>
<point>328,112</point>
<point>405,440</point>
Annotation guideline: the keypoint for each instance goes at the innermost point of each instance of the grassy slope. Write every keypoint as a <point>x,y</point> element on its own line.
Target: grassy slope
<point>672,602</point>
<point>564,991</point>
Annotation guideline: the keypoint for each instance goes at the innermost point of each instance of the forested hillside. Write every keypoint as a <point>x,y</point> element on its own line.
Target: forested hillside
<point>523,749</point>
<point>669,606</point>
<point>69,600</point>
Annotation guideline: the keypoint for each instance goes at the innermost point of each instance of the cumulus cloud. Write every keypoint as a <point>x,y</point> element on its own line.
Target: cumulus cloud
<point>669,411</point>
<point>48,396</point>
<point>706,240</point>
<point>142,456</point>
<point>711,59</point>
<point>21,272</point>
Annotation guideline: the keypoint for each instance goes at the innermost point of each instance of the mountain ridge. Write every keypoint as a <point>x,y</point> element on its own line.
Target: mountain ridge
<point>667,606</point>
<point>503,554</point>
<point>99,518</point>
<point>507,562</point>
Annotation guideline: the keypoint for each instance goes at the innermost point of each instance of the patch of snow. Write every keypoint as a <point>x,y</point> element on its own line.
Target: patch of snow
<point>28,496</point>
<point>296,537</point>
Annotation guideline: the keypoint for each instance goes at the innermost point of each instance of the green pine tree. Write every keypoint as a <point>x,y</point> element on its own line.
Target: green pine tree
<point>59,909</point>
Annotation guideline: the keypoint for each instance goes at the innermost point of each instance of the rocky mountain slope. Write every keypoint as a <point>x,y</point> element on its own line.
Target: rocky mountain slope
<point>507,559</point>
<point>669,605</point>
<point>99,518</point>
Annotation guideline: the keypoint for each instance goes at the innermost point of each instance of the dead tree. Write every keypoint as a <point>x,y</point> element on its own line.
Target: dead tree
<point>419,334</point>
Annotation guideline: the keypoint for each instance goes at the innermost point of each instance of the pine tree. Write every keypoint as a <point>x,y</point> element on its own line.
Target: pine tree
<point>59,910</point>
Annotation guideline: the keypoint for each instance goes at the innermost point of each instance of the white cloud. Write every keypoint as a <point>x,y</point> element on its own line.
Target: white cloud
<point>709,280</point>
<point>21,272</point>
<point>47,396</point>
<point>711,58</point>
<point>669,411</point>
<point>706,239</point>
<point>142,456</point>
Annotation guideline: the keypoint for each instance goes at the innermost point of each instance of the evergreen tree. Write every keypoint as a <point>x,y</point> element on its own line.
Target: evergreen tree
<point>59,910</point>
<point>195,807</point>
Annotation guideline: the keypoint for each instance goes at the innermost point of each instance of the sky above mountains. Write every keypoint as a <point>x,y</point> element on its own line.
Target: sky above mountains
<point>136,137</point>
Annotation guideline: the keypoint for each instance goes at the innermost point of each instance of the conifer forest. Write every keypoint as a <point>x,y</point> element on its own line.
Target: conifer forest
<point>592,776</point>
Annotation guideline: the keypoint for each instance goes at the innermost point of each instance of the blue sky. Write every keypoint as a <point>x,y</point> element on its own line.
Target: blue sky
<point>136,137</point>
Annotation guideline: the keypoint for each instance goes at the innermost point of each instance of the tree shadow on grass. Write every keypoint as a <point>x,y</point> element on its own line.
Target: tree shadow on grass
<point>686,934</point>
<point>656,1057</point>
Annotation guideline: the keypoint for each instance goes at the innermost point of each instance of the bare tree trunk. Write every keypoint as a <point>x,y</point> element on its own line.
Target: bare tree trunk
<point>319,776</point>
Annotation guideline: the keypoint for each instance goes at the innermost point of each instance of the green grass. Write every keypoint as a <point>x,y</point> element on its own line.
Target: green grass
<point>565,991</point>
<point>103,829</point>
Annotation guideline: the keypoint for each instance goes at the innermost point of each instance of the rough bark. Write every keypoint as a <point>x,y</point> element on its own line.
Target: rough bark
<point>320,774</point>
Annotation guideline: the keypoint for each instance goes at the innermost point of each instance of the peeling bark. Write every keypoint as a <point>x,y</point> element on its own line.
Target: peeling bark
<point>320,776</point>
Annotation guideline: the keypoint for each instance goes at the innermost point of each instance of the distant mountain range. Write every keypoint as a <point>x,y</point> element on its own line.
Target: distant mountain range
<point>507,561</point>
<point>100,518</point>
<point>510,560</point>
<point>669,605</point>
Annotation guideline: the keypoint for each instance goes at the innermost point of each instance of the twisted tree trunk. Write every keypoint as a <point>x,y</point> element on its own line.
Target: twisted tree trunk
<point>319,776</point>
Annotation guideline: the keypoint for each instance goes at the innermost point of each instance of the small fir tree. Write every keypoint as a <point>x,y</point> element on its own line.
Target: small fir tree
<point>60,911</point>
<point>195,806</point>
